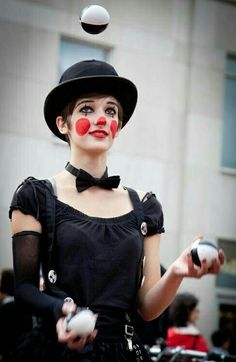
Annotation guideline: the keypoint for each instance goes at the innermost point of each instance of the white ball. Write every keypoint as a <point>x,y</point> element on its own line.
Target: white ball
<point>83,323</point>
<point>94,19</point>
<point>204,249</point>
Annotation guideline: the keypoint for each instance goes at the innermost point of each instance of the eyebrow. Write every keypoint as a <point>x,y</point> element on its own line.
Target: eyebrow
<point>114,103</point>
<point>92,101</point>
<point>84,101</point>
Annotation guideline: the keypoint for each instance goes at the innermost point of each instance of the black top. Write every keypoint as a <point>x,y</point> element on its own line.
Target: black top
<point>96,259</point>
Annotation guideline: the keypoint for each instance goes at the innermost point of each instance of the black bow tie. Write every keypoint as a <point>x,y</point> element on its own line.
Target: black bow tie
<point>84,180</point>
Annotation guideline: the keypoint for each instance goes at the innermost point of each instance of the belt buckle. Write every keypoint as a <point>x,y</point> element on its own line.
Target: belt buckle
<point>129,330</point>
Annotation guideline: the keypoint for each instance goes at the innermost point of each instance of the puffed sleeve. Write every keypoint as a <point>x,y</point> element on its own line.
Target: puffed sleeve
<point>26,199</point>
<point>30,249</point>
<point>153,214</point>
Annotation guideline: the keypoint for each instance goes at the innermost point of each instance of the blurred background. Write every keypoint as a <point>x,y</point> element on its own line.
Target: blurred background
<point>181,140</point>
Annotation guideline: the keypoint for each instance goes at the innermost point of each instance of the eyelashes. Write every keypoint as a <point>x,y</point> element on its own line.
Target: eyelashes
<point>110,110</point>
<point>86,110</point>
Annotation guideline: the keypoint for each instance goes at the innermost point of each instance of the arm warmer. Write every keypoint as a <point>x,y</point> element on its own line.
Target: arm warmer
<point>26,259</point>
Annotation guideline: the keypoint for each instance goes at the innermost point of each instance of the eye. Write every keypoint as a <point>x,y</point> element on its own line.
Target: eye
<point>86,109</point>
<point>111,111</point>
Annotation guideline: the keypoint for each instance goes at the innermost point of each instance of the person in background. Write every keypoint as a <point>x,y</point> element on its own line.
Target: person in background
<point>183,315</point>
<point>221,341</point>
<point>13,323</point>
<point>7,286</point>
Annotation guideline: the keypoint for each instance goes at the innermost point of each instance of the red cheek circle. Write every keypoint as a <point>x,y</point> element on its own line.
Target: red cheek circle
<point>113,128</point>
<point>82,126</point>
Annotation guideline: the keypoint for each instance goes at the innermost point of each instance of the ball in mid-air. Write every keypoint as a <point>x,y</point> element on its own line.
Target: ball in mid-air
<point>204,249</point>
<point>94,19</point>
<point>83,322</point>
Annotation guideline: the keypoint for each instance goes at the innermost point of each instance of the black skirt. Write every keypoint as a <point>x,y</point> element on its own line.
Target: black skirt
<point>40,345</point>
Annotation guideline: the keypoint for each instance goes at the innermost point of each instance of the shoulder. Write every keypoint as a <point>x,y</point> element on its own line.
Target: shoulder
<point>141,194</point>
<point>29,196</point>
<point>148,199</point>
<point>153,214</point>
<point>32,185</point>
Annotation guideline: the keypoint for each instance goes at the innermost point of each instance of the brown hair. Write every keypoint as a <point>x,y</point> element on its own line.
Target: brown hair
<point>181,308</point>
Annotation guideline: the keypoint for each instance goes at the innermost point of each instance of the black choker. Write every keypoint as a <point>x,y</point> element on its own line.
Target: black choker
<point>84,180</point>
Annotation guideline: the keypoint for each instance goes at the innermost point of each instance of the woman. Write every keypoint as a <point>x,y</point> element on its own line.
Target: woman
<point>92,254</point>
<point>183,315</point>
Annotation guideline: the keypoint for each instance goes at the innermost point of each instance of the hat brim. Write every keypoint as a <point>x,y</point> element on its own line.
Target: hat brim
<point>120,88</point>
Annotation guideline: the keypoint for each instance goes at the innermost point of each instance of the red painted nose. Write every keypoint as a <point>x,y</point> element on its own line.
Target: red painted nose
<point>101,121</point>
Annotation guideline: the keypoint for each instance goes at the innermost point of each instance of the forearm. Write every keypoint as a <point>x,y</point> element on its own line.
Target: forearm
<point>32,300</point>
<point>26,259</point>
<point>158,298</point>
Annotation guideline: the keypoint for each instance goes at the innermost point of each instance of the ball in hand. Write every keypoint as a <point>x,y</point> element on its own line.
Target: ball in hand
<point>204,249</point>
<point>94,19</point>
<point>83,323</point>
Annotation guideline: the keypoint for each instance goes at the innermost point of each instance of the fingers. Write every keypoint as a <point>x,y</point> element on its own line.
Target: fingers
<point>80,342</point>
<point>215,267</point>
<point>68,308</point>
<point>185,267</point>
<point>198,237</point>
<point>92,336</point>
<point>71,338</point>
<point>204,269</point>
<point>199,271</point>
<point>191,267</point>
<point>77,343</point>
<point>194,270</point>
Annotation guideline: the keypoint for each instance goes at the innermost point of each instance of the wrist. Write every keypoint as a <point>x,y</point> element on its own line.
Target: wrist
<point>175,272</point>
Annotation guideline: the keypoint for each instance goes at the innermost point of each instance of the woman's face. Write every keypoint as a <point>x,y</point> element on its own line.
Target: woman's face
<point>94,122</point>
<point>194,315</point>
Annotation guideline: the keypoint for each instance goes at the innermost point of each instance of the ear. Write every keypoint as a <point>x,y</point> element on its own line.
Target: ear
<point>62,126</point>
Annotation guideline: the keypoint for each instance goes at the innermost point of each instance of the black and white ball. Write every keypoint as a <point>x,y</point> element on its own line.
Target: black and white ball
<point>94,19</point>
<point>204,249</point>
<point>83,322</point>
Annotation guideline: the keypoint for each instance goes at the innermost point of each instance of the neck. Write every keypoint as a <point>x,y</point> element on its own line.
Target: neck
<point>93,165</point>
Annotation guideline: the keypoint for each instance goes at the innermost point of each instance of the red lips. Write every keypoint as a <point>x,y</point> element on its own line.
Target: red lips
<point>99,133</point>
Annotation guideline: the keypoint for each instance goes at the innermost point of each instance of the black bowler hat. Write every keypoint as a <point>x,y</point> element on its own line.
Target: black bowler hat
<point>89,76</point>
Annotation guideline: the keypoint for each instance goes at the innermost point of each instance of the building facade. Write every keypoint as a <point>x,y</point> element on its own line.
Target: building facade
<point>176,53</point>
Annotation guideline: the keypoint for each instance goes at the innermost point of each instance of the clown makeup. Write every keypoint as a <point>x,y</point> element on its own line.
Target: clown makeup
<point>82,126</point>
<point>113,128</point>
<point>90,107</point>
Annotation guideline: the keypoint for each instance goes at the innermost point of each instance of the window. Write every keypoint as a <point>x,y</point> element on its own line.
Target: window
<point>72,51</point>
<point>229,117</point>
<point>226,285</point>
<point>227,276</point>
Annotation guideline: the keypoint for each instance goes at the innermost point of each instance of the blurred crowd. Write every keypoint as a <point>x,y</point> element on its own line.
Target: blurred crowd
<point>13,323</point>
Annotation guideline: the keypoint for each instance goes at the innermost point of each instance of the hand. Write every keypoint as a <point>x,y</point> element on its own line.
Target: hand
<point>70,337</point>
<point>184,266</point>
